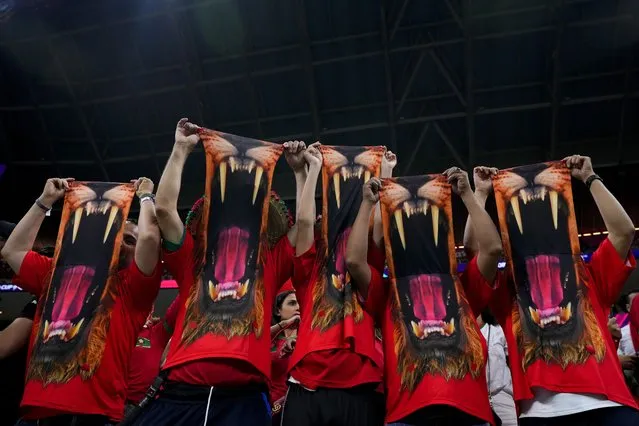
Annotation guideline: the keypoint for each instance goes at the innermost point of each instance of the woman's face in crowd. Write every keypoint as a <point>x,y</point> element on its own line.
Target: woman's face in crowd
<point>289,307</point>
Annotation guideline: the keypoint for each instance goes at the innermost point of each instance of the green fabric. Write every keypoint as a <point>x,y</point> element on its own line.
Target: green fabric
<point>171,246</point>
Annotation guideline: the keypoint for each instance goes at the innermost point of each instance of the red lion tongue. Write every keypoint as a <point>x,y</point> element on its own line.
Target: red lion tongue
<point>544,275</point>
<point>428,301</point>
<point>340,252</point>
<point>71,293</point>
<point>232,247</point>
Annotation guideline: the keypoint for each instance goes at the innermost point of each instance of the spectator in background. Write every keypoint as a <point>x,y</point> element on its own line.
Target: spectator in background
<point>626,345</point>
<point>286,318</point>
<point>150,345</point>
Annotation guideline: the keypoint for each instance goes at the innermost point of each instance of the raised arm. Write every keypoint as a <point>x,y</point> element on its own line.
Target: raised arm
<point>306,214</point>
<point>24,234</point>
<point>294,154</point>
<point>483,188</point>
<point>147,249</point>
<point>389,161</point>
<point>621,230</point>
<point>171,226</point>
<point>357,246</point>
<point>488,240</point>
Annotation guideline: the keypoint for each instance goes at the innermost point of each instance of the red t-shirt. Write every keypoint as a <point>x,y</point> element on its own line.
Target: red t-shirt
<point>468,394</point>
<point>341,356</point>
<point>147,355</point>
<point>279,368</point>
<point>105,392</point>
<point>604,278</point>
<point>214,360</point>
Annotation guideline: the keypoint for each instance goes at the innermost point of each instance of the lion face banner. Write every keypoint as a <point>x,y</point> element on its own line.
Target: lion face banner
<point>553,320</point>
<point>434,326</point>
<point>344,172</point>
<point>230,238</point>
<point>77,303</point>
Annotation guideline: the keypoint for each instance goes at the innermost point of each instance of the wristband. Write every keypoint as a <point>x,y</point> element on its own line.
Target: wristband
<point>145,198</point>
<point>146,195</point>
<point>591,179</point>
<point>45,209</point>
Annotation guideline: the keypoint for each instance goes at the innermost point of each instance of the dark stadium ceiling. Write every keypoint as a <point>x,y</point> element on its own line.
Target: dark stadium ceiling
<point>93,88</point>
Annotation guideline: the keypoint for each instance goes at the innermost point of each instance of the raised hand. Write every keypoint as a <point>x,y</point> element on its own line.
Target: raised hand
<point>186,135</point>
<point>294,154</point>
<point>482,176</point>
<point>389,161</point>
<point>458,180</point>
<point>53,190</point>
<point>580,167</point>
<point>313,157</point>
<point>292,322</point>
<point>371,190</point>
<point>143,186</point>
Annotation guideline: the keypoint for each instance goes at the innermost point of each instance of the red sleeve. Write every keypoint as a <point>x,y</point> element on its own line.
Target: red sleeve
<point>281,260</point>
<point>477,288</point>
<point>376,256</point>
<point>303,267</point>
<point>378,289</point>
<point>34,272</point>
<point>171,315</point>
<point>609,272</point>
<point>179,263</point>
<point>141,289</point>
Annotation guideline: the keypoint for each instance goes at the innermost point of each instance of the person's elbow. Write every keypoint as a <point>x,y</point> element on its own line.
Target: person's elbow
<point>305,222</point>
<point>149,240</point>
<point>4,253</point>
<point>494,249</point>
<point>164,210</point>
<point>354,263</point>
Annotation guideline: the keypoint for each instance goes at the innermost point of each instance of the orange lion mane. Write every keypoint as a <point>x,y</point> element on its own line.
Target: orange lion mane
<point>412,367</point>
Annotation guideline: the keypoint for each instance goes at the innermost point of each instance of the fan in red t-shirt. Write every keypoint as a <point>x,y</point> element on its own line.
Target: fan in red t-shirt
<point>149,347</point>
<point>218,363</point>
<point>562,358</point>
<point>433,351</point>
<point>335,369</point>
<point>286,318</point>
<point>67,381</point>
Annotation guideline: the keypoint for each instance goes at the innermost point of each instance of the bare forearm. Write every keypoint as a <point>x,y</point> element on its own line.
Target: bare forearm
<point>619,225</point>
<point>357,249</point>
<point>147,250</point>
<point>22,238</point>
<point>470,241</point>
<point>487,237</point>
<point>306,217</point>
<point>378,230</point>
<point>167,197</point>
<point>300,180</point>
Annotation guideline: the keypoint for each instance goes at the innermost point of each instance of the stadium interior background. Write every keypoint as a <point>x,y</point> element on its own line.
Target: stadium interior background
<point>92,89</point>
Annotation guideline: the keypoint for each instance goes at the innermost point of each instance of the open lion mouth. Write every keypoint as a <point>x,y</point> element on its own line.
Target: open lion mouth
<point>430,300</point>
<point>68,302</point>
<point>537,193</point>
<point>547,291</point>
<point>101,207</point>
<point>340,278</point>
<point>416,207</point>
<point>232,249</point>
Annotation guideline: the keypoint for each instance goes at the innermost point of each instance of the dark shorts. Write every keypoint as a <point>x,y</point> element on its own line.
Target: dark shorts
<point>358,406</point>
<point>186,405</point>
<point>81,420</point>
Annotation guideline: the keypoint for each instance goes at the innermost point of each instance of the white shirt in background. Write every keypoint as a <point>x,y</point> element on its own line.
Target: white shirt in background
<point>626,347</point>
<point>500,383</point>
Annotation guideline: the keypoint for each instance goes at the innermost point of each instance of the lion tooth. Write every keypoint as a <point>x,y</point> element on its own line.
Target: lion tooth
<point>553,207</point>
<point>76,223</point>
<point>75,329</point>
<point>523,196</point>
<point>435,211</point>
<point>114,212</point>
<point>222,180</point>
<point>258,179</point>
<point>212,290</point>
<point>399,221</point>
<point>542,193</point>
<point>336,281</point>
<point>367,176</point>
<point>45,333</point>
<point>344,173</point>
<point>407,209</point>
<point>566,313</point>
<point>336,188</point>
<point>251,166</point>
<point>416,330</point>
<point>233,164</point>
<point>534,315</point>
<point>243,289</point>
<point>451,326</point>
<point>514,203</point>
